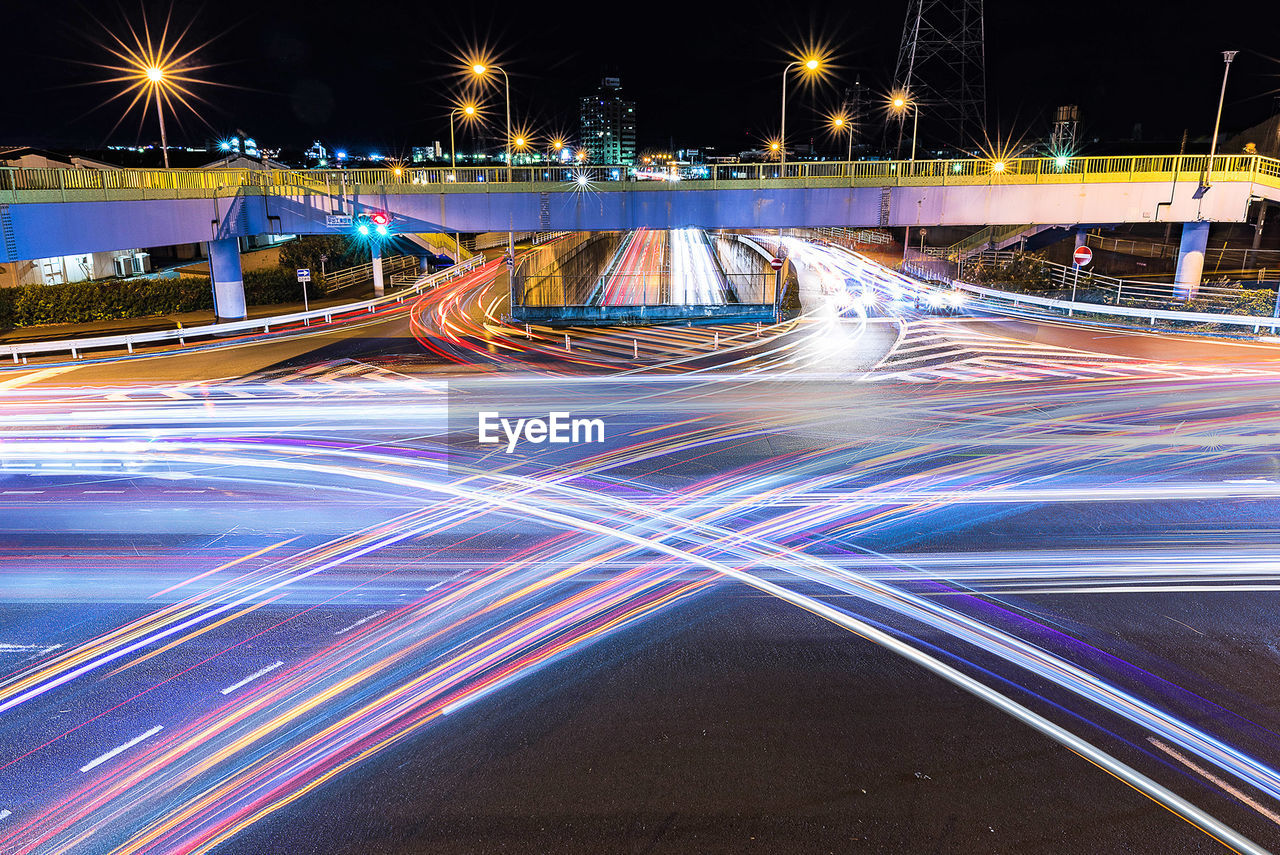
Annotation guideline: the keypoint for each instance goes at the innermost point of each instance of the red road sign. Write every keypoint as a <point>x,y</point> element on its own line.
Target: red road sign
<point>1082,256</point>
<point>775,263</point>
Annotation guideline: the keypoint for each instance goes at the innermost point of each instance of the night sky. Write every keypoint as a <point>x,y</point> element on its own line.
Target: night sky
<point>379,75</point>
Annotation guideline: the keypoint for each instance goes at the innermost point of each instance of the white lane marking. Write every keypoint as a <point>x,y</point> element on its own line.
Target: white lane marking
<point>21,492</point>
<point>4,814</point>
<point>255,675</point>
<point>362,620</point>
<point>24,648</point>
<point>1242,796</point>
<point>35,376</point>
<point>93,764</point>
<point>97,492</point>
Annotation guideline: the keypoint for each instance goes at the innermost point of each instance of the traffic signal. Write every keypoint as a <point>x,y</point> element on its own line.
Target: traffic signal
<point>375,224</point>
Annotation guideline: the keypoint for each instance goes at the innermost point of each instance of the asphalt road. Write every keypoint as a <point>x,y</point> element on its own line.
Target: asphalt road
<point>888,585</point>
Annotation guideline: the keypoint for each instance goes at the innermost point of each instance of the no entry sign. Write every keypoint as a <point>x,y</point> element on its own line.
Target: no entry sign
<point>775,263</point>
<point>1082,256</point>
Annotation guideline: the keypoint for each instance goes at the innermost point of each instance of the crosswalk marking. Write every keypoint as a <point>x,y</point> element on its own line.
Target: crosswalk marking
<point>930,351</point>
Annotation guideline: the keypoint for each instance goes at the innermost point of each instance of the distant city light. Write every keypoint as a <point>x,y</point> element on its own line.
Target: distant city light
<point>998,166</point>
<point>1061,161</point>
<point>340,155</point>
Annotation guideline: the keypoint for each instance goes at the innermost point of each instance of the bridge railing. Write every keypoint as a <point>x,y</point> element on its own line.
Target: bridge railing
<point>21,184</point>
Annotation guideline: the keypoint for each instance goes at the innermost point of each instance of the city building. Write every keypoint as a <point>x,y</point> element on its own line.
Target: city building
<point>317,154</point>
<point>608,124</point>
<point>238,143</point>
<point>424,153</point>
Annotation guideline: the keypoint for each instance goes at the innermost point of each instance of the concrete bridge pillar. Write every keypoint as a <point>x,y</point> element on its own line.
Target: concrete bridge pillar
<point>228,279</point>
<point>1186,278</point>
<point>1082,237</point>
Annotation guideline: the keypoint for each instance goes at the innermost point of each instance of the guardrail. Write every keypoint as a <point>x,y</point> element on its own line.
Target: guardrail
<point>1136,290</point>
<point>22,184</point>
<point>77,347</point>
<point>392,265</point>
<point>1070,308</point>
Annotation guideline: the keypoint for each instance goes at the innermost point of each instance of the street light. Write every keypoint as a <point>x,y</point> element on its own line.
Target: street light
<point>901,102</point>
<point>480,70</point>
<point>840,123</point>
<point>1227,56</point>
<point>808,65</point>
<point>469,113</point>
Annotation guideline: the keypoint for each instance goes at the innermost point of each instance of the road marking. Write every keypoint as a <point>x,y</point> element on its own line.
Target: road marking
<point>36,376</point>
<point>362,620</point>
<point>25,648</point>
<point>1183,759</point>
<point>93,764</point>
<point>21,492</point>
<point>255,675</point>
<point>100,492</point>
<point>4,814</point>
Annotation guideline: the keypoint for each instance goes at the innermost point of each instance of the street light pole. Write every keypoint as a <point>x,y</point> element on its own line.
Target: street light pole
<point>1227,56</point>
<point>915,125</point>
<point>782,142</point>
<point>808,64</point>
<point>480,69</point>
<point>156,75</point>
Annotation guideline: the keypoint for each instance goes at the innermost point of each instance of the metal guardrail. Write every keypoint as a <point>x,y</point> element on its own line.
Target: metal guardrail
<point>22,184</point>
<point>1137,290</point>
<point>391,265</point>
<point>848,236</point>
<point>78,346</point>
<point>1070,308</point>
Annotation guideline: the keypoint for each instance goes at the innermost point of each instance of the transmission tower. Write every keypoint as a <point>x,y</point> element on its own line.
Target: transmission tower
<point>942,67</point>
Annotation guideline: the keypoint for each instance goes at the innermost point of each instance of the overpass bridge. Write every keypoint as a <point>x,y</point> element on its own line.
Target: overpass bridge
<point>51,212</point>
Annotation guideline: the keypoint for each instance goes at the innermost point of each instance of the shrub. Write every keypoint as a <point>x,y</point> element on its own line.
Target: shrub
<point>1024,272</point>
<point>114,299</point>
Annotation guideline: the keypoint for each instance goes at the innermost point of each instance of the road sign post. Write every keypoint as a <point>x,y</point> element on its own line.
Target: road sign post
<point>1082,256</point>
<point>776,264</point>
<point>304,276</point>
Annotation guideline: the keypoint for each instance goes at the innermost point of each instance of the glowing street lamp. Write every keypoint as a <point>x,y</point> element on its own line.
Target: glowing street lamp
<point>479,69</point>
<point>808,65</point>
<point>468,112</point>
<point>901,102</point>
<point>840,124</point>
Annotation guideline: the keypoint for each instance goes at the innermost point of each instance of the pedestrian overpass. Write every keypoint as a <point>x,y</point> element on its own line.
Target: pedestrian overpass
<point>51,212</point>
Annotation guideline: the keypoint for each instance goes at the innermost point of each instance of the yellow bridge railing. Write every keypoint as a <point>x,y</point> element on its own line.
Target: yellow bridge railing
<point>19,184</point>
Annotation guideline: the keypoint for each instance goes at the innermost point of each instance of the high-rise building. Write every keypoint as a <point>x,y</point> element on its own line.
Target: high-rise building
<point>608,124</point>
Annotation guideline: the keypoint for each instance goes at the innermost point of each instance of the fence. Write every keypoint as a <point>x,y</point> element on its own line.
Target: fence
<point>1113,290</point>
<point>78,347</point>
<point>392,266</point>
<point>21,184</point>
<point>1016,303</point>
